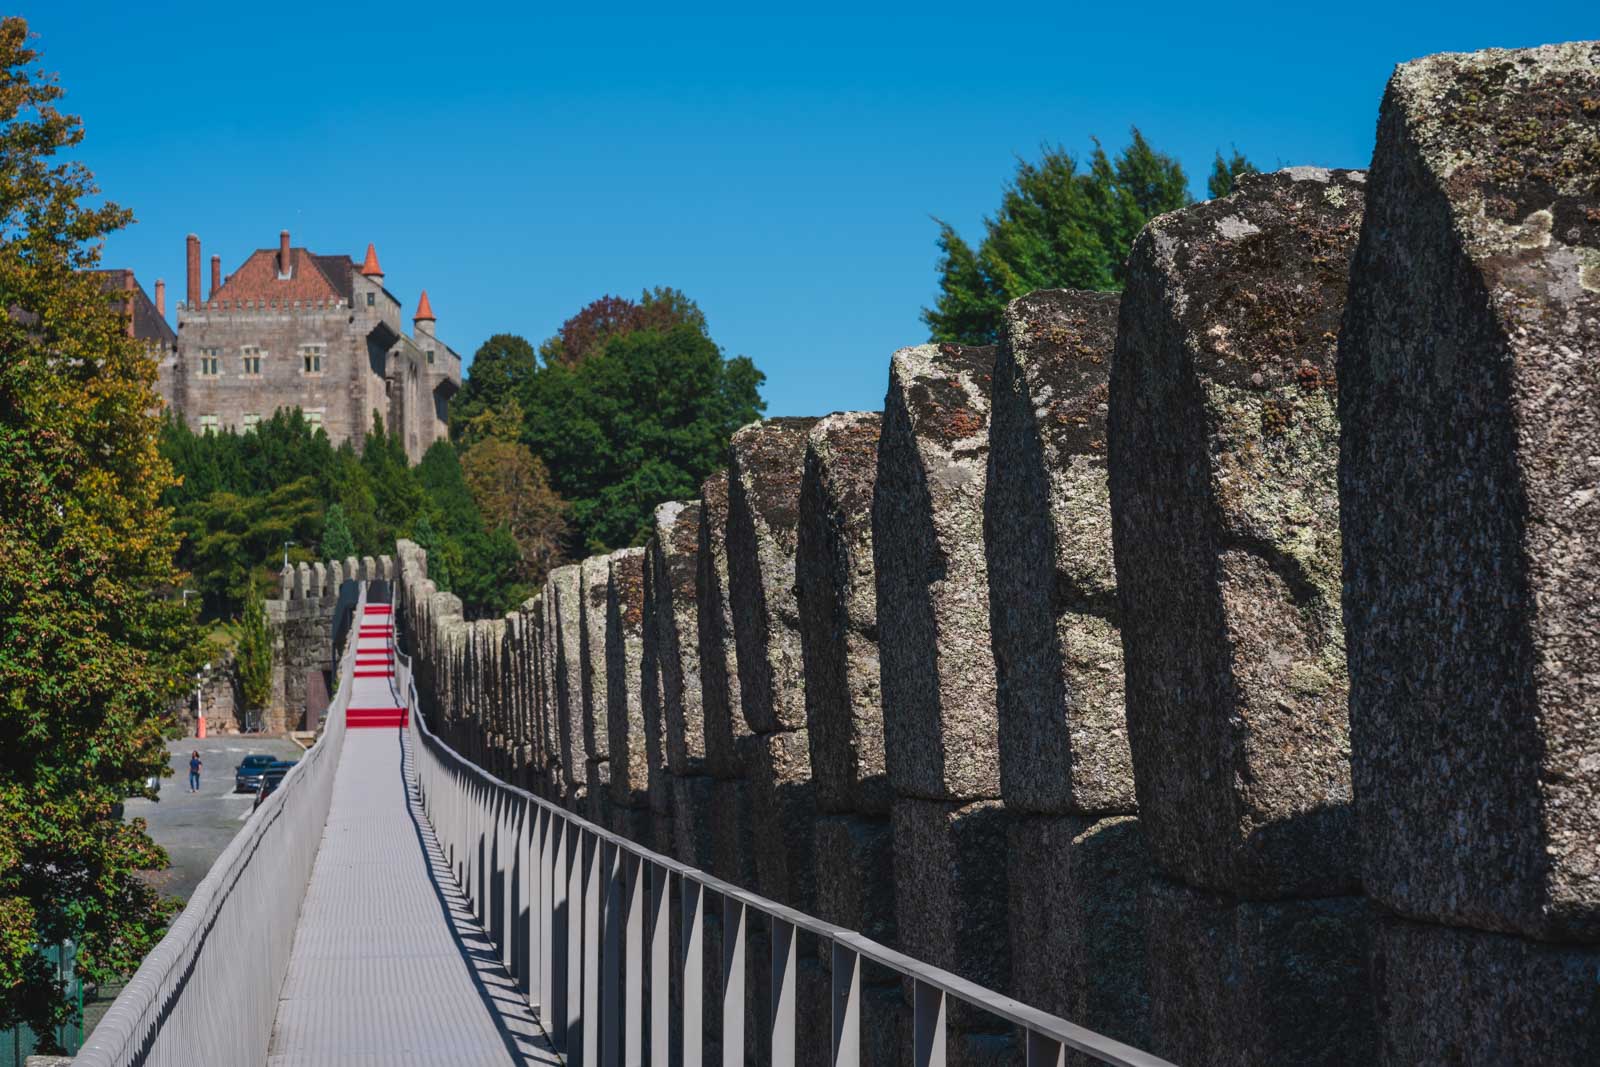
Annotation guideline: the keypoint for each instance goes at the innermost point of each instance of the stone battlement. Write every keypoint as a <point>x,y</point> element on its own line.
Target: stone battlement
<point>1208,664</point>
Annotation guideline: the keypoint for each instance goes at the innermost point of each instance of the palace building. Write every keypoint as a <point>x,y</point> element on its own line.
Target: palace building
<point>293,328</point>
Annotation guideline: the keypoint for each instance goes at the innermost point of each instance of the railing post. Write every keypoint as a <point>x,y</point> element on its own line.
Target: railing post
<point>523,911</point>
<point>660,974</point>
<point>632,963</point>
<point>576,873</point>
<point>732,982</point>
<point>780,1018</point>
<point>547,913</point>
<point>691,967</point>
<point>558,868</point>
<point>928,1025</point>
<point>592,1021</point>
<point>611,1014</point>
<point>1044,1051</point>
<point>846,1006</point>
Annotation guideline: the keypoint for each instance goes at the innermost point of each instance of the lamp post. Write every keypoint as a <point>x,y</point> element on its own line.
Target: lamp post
<point>199,702</point>
<point>286,545</point>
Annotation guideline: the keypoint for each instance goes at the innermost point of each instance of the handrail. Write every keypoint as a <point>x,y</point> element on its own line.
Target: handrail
<point>208,991</point>
<point>475,802</point>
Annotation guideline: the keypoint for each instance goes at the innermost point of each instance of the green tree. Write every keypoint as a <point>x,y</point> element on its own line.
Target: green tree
<point>96,645</point>
<point>1224,172</point>
<point>337,542</point>
<point>644,418</point>
<point>1058,226</point>
<point>254,652</point>
<point>498,371</point>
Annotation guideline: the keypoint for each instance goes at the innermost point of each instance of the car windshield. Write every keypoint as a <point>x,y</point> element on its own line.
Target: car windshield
<point>255,763</point>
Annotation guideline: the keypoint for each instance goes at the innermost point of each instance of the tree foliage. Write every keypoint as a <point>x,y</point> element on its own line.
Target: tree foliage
<point>96,643</point>
<point>1225,171</point>
<point>512,488</point>
<point>1059,226</point>
<point>243,495</point>
<point>600,320</point>
<point>499,369</point>
<point>337,541</point>
<point>644,418</point>
<point>254,653</point>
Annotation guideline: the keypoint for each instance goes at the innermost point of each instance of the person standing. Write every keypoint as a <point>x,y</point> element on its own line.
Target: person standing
<point>194,771</point>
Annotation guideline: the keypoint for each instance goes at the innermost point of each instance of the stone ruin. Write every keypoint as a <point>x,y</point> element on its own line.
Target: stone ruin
<point>1206,665</point>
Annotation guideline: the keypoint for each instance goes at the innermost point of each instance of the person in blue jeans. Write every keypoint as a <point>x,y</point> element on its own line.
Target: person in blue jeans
<point>194,771</point>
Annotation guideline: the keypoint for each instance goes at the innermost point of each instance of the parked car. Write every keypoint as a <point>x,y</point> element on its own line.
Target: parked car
<point>271,778</point>
<point>247,776</point>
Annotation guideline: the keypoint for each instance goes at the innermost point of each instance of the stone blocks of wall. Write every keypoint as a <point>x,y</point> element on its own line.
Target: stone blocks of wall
<point>719,664</point>
<point>1223,446</point>
<point>836,590</point>
<point>1258,981</point>
<point>566,676</point>
<point>937,670</point>
<point>1052,582</point>
<point>624,690</point>
<point>1472,549</point>
<point>674,555</point>
<point>1224,450</point>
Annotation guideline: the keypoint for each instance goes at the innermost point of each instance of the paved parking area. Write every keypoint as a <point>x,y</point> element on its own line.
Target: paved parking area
<point>194,828</point>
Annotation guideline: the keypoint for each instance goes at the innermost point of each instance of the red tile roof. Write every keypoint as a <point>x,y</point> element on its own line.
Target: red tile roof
<point>424,309</point>
<point>371,264</point>
<point>257,278</point>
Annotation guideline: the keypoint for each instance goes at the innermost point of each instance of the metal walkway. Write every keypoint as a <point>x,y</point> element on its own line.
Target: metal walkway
<point>388,965</point>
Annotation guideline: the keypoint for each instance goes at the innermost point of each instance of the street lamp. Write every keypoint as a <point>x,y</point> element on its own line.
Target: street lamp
<point>187,593</point>
<point>199,702</point>
<point>286,545</point>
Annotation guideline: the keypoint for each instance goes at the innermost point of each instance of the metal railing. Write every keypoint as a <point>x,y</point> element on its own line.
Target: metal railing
<point>208,992</point>
<point>582,919</point>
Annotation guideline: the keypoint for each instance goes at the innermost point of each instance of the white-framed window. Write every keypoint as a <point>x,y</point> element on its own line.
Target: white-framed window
<point>430,357</point>
<point>311,358</point>
<point>372,298</point>
<point>210,362</point>
<point>208,424</point>
<point>250,361</point>
<point>251,420</point>
<point>313,418</point>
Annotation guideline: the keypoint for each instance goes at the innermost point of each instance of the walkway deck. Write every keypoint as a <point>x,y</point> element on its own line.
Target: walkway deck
<point>388,965</point>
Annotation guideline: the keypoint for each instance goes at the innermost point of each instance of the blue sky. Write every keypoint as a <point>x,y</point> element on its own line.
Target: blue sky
<point>782,171</point>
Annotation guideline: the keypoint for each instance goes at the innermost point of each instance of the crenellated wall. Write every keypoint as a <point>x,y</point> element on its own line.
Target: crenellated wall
<point>306,622</point>
<point>1042,674</point>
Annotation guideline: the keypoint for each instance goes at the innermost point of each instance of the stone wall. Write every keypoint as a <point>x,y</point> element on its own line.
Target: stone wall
<point>1042,674</point>
<point>314,602</point>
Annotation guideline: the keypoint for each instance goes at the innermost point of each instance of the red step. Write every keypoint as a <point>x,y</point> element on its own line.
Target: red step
<point>374,674</point>
<point>379,609</point>
<point>375,631</point>
<point>368,718</point>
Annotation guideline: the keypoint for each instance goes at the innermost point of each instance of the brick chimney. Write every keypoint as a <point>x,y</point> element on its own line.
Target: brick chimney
<point>193,295</point>
<point>216,276</point>
<point>161,298</point>
<point>283,253</point>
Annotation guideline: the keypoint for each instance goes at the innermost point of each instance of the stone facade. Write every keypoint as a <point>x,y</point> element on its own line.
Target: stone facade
<point>294,329</point>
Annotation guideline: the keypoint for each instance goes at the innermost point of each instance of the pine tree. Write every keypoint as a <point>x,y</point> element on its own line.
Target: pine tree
<point>337,542</point>
<point>1224,172</point>
<point>254,653</point>
<point>96,643</point>
<point>1058,226</point>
